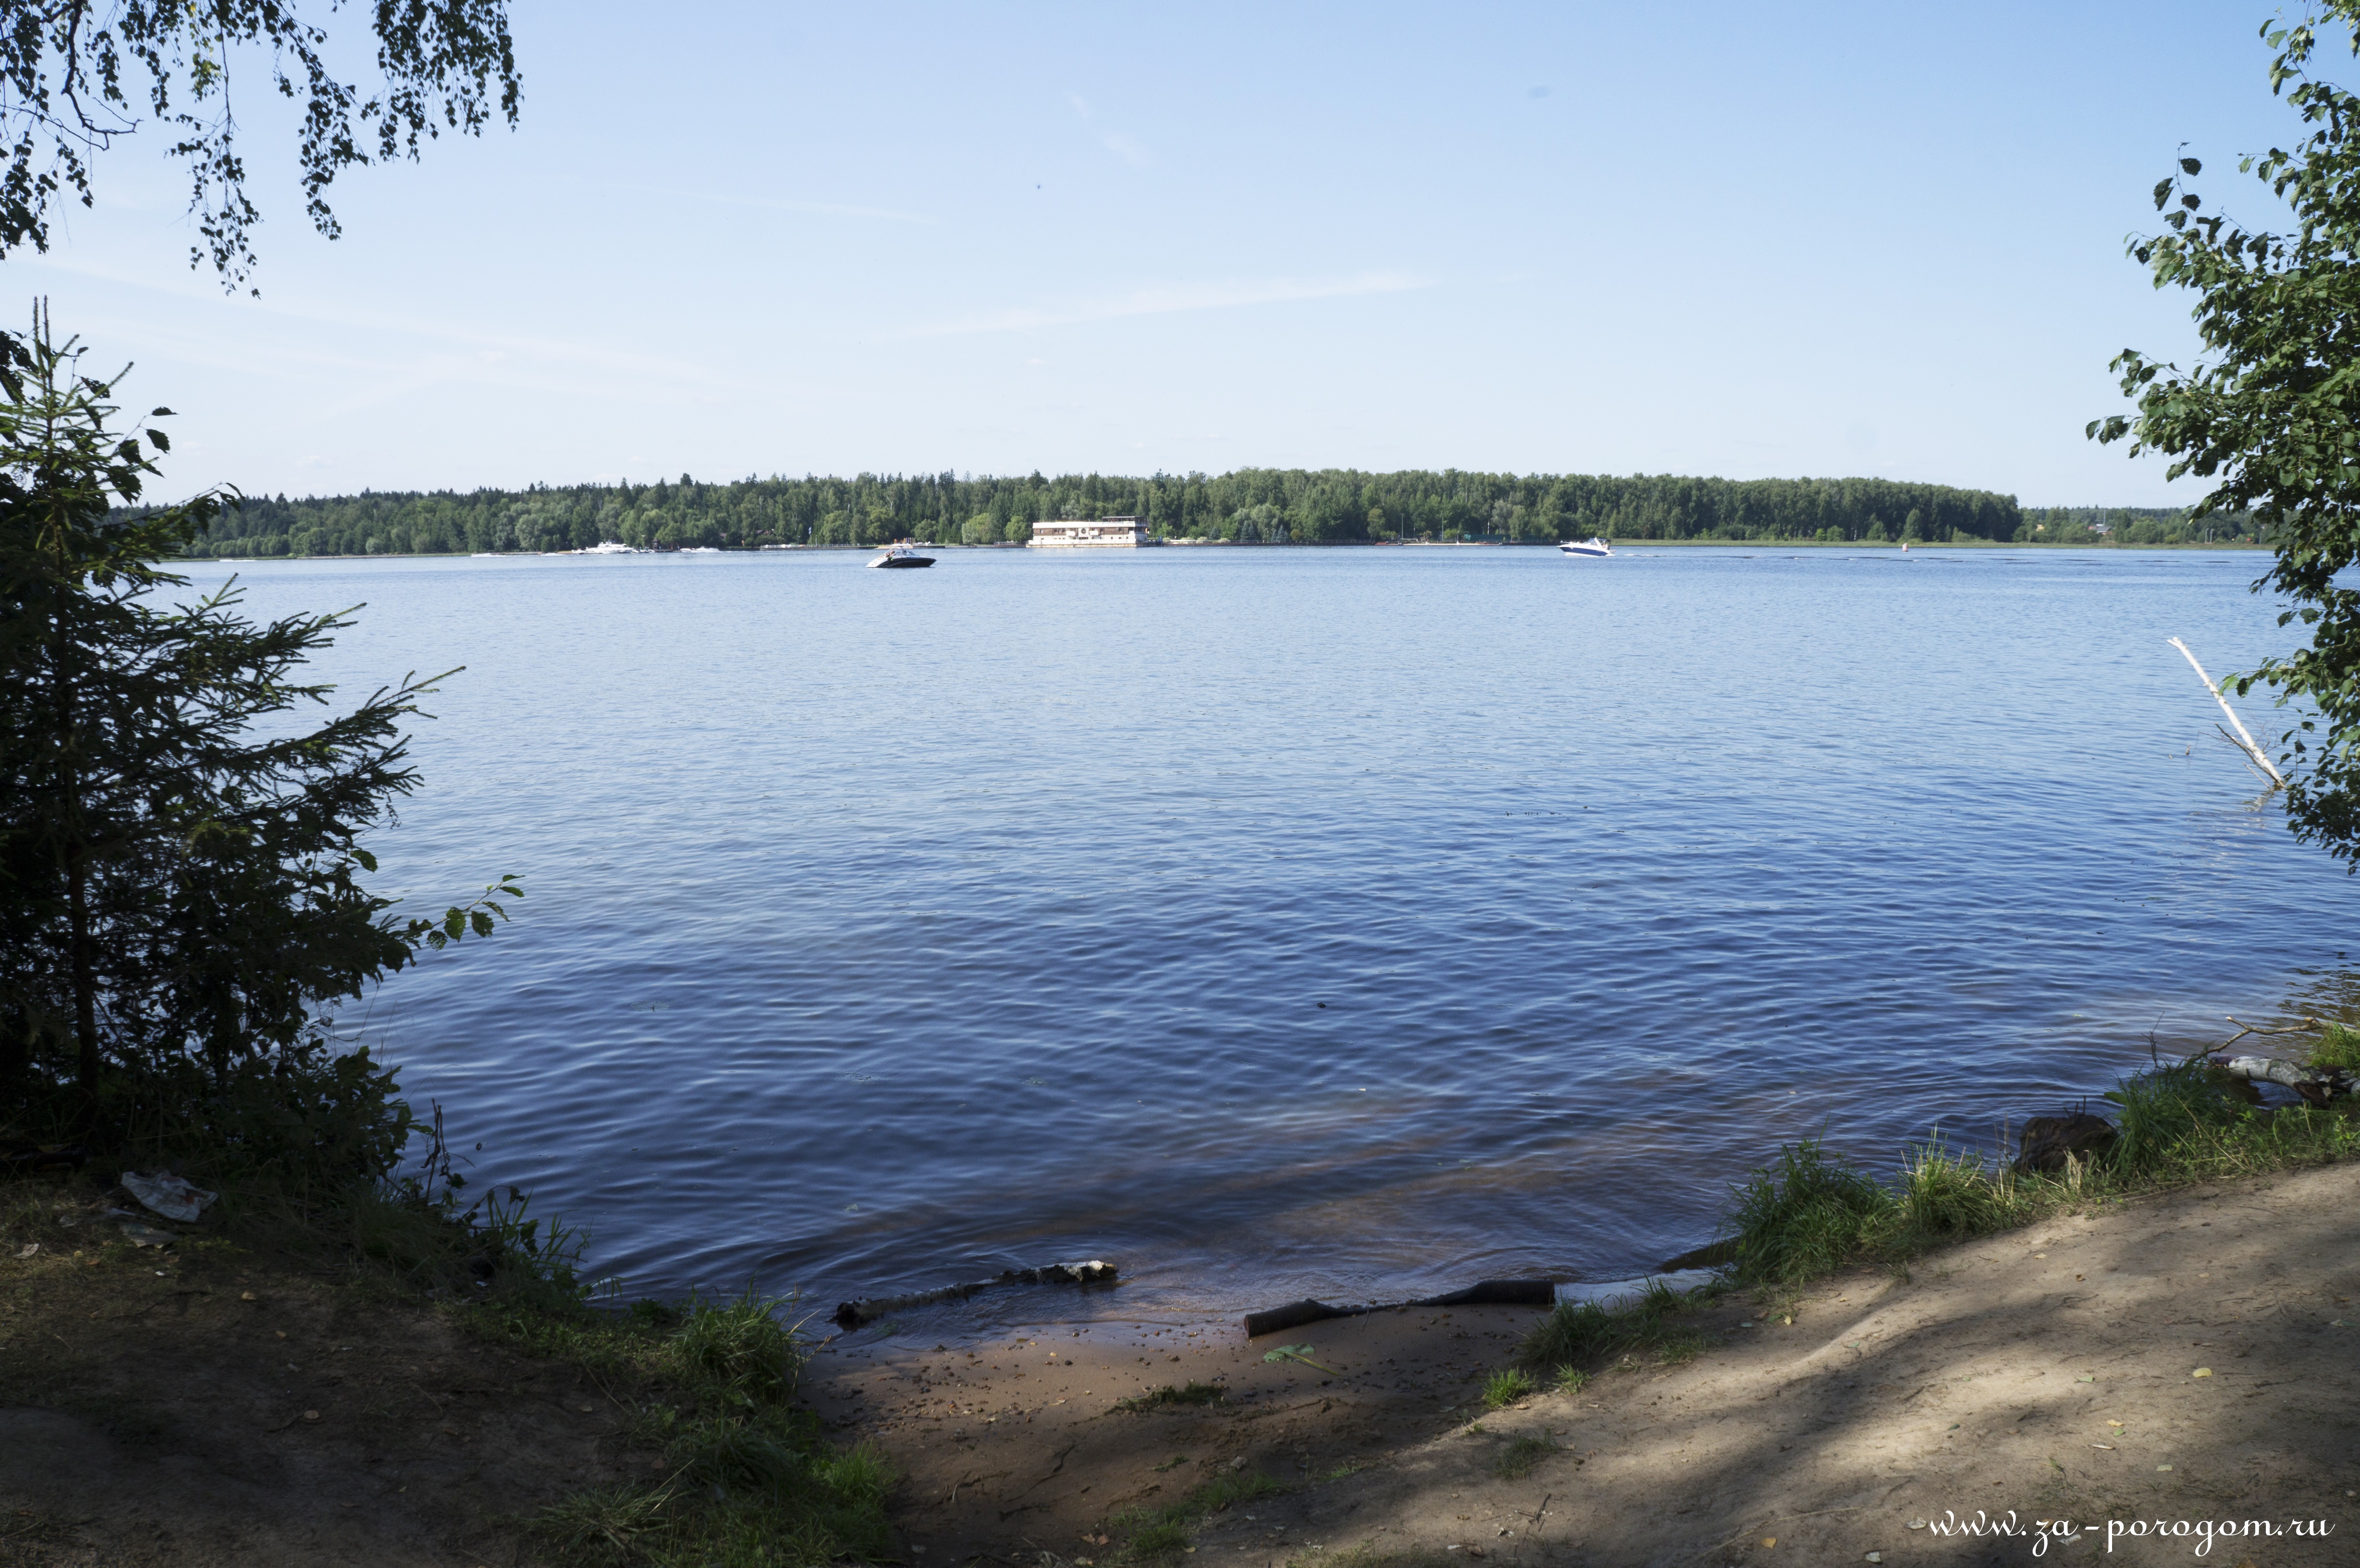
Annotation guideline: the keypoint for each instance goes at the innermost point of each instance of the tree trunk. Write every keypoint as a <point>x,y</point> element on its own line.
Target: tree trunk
<point>78,954</point>
<point>16,1057</point>
<point>85,977</point>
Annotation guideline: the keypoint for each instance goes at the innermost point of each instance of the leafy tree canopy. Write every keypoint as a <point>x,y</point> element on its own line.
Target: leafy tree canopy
<point>75,75</point>
<point>2272,412</point>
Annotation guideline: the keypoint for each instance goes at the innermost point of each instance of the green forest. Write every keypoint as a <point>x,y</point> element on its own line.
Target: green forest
<point>1254,505</point>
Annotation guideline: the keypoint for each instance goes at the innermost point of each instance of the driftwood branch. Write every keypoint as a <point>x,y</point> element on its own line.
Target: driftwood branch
<point>1485,1293</point>
<point>2243,741</point>
<point>2317,1084</point>
<point>2307,1026</point>
<point>853,1314</point>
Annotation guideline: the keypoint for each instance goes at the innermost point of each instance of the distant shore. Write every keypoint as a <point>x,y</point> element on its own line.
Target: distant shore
<point>1915,545</point>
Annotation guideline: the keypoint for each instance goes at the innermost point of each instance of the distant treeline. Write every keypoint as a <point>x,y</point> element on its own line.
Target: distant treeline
<point>2131,525</point>
<point>1255,506</point>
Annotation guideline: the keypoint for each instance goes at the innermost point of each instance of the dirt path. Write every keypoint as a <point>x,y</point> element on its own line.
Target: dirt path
<point>2175,1361</point>
<point>205,1405</point>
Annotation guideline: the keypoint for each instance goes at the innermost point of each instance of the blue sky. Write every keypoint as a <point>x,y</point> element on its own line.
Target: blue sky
<point>735,239</point>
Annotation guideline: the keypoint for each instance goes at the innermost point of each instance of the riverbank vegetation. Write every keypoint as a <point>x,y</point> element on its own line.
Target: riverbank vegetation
<point>1811,1211</point>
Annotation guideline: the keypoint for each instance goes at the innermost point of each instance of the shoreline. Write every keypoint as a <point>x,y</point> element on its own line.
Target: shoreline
<point>2035,1367</point>
<point>2048,1371</point>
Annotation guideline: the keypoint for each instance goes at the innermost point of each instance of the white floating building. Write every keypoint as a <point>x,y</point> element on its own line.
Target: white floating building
<point>1104,533</point>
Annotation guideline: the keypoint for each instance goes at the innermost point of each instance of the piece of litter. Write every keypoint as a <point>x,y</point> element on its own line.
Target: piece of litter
<point>1916,1524</point>
<point>1297,1353</point>
<point>2163,1467</point>
<point>1747,1323</point>
<point>1875,1557</point>
<point>146,1234</point>
<point>2086,1379</point>
<point>2107,1446</point>
<point>2201,1372</point>
<point>311,1415</point>
<point>1769,1541</point>
<point>167,1194</point>
<point>29,1249</point>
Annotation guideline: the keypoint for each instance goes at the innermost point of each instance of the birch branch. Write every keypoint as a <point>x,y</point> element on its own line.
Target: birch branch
<point>2260,760</point>
<point>2319,1084</point>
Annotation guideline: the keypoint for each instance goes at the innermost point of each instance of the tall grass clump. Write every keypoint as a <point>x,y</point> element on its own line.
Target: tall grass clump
<point>2187,1121</point>
<point>1579,1334</point>
<point>1944,1195</point>
<point>747,1478</point>
<point>1805,1214</point>
<point>2338,1045</point>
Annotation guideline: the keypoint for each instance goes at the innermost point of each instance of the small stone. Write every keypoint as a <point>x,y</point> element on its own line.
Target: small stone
<point>1875,1557</point>
<point>311,1415</point>
<point>247,1296</point>
<point>1238,1463</point>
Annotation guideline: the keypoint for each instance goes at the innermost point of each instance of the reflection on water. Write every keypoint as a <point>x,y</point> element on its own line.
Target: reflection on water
<point>1346,922</point>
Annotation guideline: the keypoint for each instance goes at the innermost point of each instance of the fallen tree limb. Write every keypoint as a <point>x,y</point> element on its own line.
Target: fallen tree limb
<point>2243,740</point>
<point>2317,1084</point>
<point>853,1314</point>
<point>1483,1293</point>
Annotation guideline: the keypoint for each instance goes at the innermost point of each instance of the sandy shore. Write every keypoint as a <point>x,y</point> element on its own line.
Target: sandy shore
<point>2159,1364</point>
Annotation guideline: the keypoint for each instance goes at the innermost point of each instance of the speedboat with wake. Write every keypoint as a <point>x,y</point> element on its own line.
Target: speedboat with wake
<point>1593,546</point>
<point>901,556</point>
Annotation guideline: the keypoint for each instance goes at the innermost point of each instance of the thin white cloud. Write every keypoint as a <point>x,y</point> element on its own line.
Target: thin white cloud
<point>1126,147</point>
<point>780,204</point>
<point>1168,299</point>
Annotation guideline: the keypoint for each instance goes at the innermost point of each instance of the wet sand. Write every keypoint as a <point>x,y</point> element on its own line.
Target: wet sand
<point>2050,1374</point>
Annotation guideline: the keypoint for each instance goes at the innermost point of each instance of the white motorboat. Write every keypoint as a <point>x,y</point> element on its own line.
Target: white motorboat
<point>901,556</point>
<point>1593,546</point>
<point>606,547</point>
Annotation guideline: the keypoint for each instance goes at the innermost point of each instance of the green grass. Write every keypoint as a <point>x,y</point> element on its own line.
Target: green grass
<point>1804,1215</point>
<point>1504,1389</point>
<point>1159,1532</point>
<point>1193,1394</point>
<point>1518,1459</point>
<point>1811,1213</point>
<point>1575,1334</point>
<point>746,1479</point>
<point>2339,1046</point>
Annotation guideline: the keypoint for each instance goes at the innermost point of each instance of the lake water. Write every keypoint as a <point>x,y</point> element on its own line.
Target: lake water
<point>1271,923</point>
